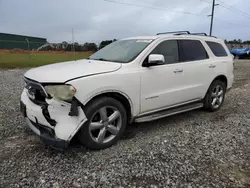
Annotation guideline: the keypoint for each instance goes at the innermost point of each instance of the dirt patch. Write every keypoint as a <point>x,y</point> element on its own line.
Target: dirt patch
<point>19,141</point>
<point>235,174</point>
<point>14,145</point>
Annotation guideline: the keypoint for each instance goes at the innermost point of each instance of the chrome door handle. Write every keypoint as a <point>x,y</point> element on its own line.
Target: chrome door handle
<point>178,70</point>
<point>212,66</point>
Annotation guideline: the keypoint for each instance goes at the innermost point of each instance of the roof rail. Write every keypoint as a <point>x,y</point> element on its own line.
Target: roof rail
<point>201,34</point>
<point>174,32</point>
<point>185,33</point>
<point>205,34</point>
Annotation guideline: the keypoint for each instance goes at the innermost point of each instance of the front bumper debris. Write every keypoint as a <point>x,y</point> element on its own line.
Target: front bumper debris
<point>47,135</point>
<point>51,121</point>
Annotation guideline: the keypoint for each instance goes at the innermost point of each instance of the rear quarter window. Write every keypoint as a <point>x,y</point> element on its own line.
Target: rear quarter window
<point>217,49</point>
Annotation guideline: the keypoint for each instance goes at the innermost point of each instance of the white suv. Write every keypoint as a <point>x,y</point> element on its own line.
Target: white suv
<point>132,80</point>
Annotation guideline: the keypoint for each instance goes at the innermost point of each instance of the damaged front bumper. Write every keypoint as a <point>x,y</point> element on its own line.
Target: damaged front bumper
<point>52,120</point>
<point>47,135</point>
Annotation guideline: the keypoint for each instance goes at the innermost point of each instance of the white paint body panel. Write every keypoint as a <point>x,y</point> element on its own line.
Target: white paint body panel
<point>163,84</point>
<point>61,72</point>
<point>147,89</point>
<point>125,81</point>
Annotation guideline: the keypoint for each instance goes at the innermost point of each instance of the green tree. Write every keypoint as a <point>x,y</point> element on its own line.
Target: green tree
<point>90,47</point>
<point>105,43</point>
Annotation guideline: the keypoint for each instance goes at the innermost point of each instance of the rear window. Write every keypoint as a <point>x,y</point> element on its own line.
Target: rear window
<point>191,50</point>
<point>217,49</point>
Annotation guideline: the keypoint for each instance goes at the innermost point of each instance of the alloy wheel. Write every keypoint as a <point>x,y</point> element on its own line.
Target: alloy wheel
<point>105,124</point>
<point>217,96</point>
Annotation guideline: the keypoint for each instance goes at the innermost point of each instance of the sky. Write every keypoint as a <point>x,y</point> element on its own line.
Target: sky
<point>97,20</point>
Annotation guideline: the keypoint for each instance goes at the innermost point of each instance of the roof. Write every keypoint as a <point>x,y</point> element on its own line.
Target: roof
<point>9,34</point>
<point>174,35</point>
<point>143,37</point>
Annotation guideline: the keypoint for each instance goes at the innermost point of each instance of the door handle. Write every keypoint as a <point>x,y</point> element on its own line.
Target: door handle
<point>178,70</point>
<point>212,66</point>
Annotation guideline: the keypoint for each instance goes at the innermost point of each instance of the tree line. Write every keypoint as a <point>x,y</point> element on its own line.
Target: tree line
<point>65,46</point>
<point>239,41</point>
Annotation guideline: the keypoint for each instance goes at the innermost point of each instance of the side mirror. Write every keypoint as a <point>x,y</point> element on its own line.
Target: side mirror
<point>156,59</point>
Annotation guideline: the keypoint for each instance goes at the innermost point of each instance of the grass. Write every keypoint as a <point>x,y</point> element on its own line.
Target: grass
<point>22,60</point>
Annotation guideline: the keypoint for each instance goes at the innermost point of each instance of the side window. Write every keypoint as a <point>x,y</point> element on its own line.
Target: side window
<point>169,49</point>
<point>192,50</point>
<point>217,49</point>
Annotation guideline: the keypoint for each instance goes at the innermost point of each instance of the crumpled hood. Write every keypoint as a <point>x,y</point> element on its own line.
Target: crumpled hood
<point>62,72</point>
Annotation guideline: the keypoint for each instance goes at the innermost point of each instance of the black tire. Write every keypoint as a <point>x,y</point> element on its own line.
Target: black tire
<point>208,98</point>
<point>85,135</point>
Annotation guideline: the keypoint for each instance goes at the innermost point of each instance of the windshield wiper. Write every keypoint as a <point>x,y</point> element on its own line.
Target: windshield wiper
<point>99,59</point>
<point>102,59</point>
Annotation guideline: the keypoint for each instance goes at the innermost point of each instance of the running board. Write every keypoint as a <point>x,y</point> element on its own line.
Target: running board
<point>169,112</point>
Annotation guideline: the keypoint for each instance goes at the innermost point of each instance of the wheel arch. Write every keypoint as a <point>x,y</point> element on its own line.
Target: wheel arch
<point>118,95</point>
<point>222,78</point>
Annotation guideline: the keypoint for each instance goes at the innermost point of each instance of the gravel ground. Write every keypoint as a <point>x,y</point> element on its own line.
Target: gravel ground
<point>194,149</point>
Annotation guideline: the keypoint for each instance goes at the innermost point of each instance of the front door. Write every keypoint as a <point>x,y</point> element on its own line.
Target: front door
<point>160,86</point>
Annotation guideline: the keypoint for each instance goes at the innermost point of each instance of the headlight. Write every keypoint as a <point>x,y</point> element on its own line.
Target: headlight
<point>62,92</point>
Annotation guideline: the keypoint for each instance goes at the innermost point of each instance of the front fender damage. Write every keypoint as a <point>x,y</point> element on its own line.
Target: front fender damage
<point>68,122</point>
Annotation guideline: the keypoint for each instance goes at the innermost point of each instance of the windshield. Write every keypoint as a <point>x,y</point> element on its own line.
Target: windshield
<point>122,51</point>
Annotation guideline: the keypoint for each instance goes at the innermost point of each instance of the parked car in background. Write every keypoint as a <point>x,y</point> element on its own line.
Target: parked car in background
<point>137,79</point>
<point>243,53</point>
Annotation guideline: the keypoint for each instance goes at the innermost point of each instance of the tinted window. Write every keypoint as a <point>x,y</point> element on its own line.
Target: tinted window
<point>217,49</point>
<point>192,50</point>
<point>169,49</point>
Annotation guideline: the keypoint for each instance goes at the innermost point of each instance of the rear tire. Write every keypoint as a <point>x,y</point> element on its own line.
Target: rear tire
<point>215,96</point>
<point>107,119</point>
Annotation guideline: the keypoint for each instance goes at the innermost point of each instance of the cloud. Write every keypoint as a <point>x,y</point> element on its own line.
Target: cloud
<point>96,20</point>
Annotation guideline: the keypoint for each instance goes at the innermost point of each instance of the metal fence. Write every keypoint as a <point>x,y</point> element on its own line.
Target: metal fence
<point>24,45</point>
<point>237,46</point>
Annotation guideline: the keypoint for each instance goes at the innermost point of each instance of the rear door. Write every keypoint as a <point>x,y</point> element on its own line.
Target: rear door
<point>197,71</point>
<point>222,63</point>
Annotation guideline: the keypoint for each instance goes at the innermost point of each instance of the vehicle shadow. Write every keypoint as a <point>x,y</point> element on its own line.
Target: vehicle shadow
<point>132,130</point>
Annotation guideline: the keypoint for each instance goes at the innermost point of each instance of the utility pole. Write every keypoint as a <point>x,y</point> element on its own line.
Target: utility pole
<point>28,46</point>
<point>212,17</point>
<point>73,44</point>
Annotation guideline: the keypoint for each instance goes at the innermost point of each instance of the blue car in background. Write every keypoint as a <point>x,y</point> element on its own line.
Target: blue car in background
<point>241,53</point>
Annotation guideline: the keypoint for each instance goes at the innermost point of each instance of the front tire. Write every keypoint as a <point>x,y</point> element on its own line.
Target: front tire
<point>107,119</point>
<point>215,96</point>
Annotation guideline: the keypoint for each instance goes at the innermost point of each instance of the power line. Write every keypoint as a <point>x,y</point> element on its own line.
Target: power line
<point>157,8</point>
<point>224,5</point>
<point>170,10</point>
<point>212,16</point>
<point>239,13</point>
<point>233,8</point>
